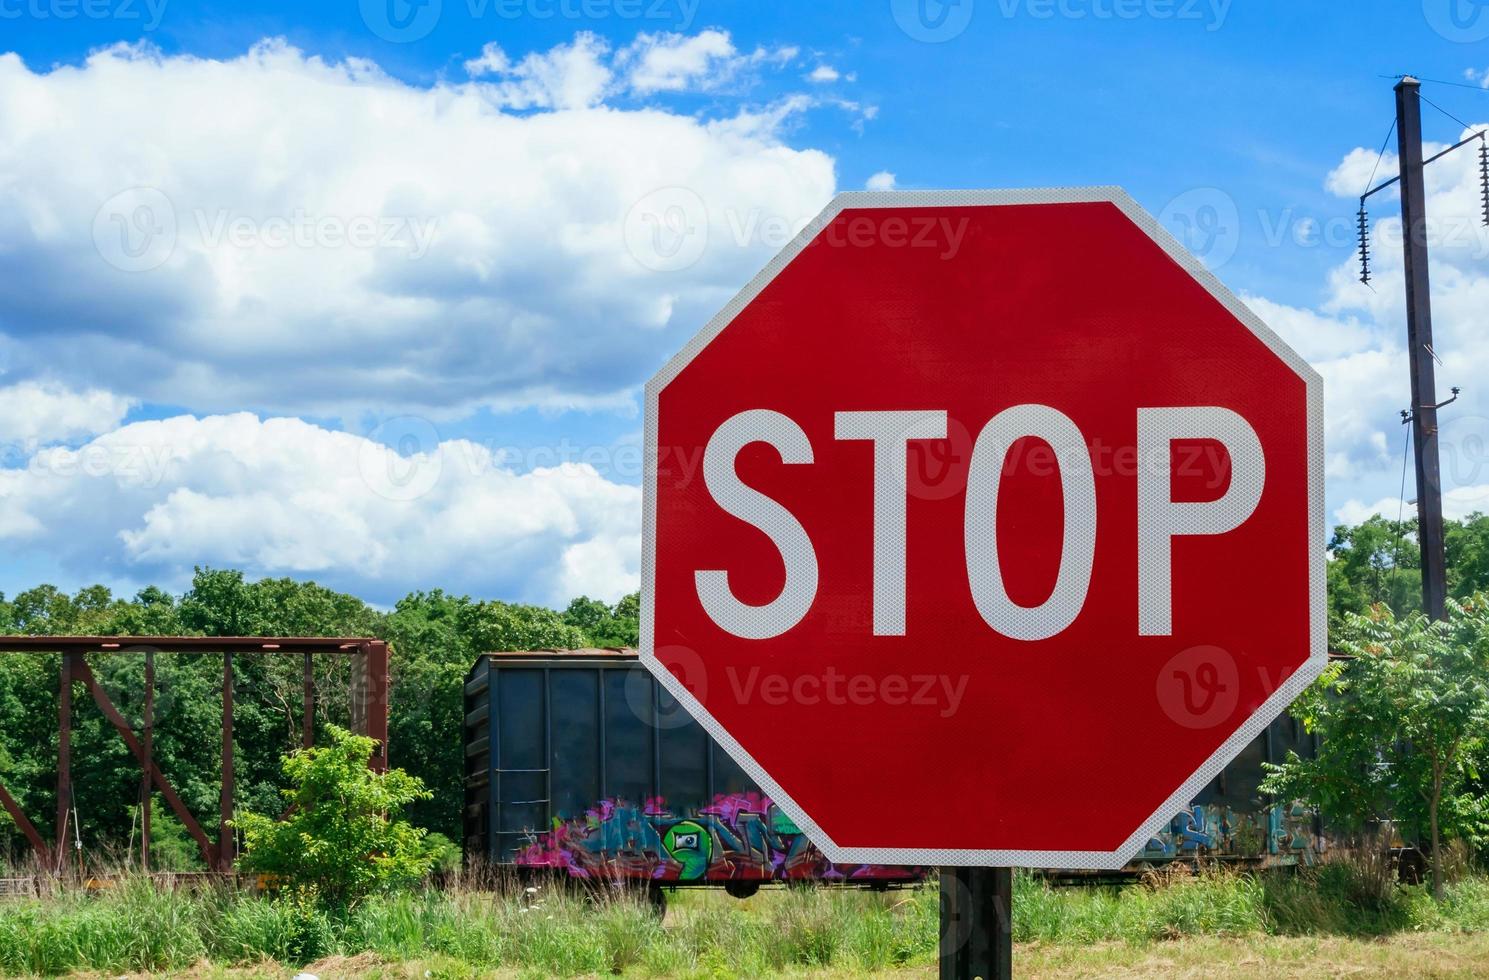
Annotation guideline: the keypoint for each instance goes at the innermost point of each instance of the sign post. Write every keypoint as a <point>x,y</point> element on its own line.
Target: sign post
<point>983,529</point>
<point>976,923</point>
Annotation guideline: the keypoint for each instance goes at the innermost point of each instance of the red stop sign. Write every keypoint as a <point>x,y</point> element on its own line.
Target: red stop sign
<point>984,528</point>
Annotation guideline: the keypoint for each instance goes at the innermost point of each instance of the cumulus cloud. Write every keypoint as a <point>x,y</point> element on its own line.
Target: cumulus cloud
<point>147,501</point>
<point>1458,503</point>
<point>289,235</point>
<point>582,73</point>
<point>669,62</point>
<point>674,62</point>
<point>1353,176</point>
<point>569,76</point>
<point>1365,382</point>
<point>39,412</point>
<point>1356,339</point>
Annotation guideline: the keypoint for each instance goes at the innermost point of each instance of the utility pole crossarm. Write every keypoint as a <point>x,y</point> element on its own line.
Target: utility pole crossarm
<point>1392,182</point>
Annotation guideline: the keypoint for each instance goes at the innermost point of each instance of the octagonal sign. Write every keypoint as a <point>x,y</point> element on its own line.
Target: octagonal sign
<point>984,528</point>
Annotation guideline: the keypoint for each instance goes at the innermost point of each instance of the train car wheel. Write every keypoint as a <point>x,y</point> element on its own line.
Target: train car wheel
<point>741,889</point>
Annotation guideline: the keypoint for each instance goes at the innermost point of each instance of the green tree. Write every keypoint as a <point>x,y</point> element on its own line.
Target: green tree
<point>1401,717</point>
<point>1370,563</point>
<point>221,603</point>
<point>1467,544</point>
<point>1378,561</point>
<point>435,638</point>
<point>586,613</point>
<point>152,613</point>
<point>342,836</point>
<point>606,626</point>
<point>496,626</point>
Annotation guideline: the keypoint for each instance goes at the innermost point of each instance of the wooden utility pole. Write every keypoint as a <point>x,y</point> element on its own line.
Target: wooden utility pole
<point>1419,348</point>
<point>1424,404</point>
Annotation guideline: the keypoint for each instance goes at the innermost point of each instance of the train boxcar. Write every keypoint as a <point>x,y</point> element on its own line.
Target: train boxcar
<point>578,762</point>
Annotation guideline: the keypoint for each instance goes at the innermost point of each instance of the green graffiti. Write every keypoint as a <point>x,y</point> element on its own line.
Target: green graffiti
<point>690,846</point>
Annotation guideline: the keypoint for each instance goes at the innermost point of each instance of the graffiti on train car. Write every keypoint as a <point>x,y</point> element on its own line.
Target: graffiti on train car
<point>739,836</point>
<point>1278,834</point>
<point>746,837</point>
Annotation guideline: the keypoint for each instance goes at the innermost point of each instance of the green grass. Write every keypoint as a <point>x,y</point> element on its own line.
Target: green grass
<point>136,928</point>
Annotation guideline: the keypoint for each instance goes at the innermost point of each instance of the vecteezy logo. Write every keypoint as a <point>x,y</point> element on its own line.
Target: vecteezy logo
<point>122,674</point>
<point>400,21</point>
<point>938,467</point>
<point>135,230</point>
<point>401,459</point>
<point>957,917</point>
<point>667,230</point>
<point>1200,687</point>
<point>1463,21</point>
<point>1207,222</point>
<point>932,21</point>
<point>653,703</point>
<point>1463,442</point>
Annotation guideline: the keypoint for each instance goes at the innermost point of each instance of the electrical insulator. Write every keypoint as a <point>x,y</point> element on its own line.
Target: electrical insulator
<point>1484,175</point>
<point>1364,244</point>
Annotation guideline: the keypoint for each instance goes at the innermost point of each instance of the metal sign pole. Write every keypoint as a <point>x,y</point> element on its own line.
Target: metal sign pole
<point>976,923</point>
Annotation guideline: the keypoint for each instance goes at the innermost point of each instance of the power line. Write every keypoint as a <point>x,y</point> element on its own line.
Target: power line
<point>1400,513</point>
<point>1443,81</point>
<point>1446,113</point>
<point>1381,155</point>
<point>1439,81</point>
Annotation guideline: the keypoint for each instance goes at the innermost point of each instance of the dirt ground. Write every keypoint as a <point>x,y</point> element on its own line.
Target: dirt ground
<point>1407,955</point>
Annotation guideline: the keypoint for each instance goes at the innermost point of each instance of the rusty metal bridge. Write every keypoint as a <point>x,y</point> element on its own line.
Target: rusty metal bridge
<point>369,716</point>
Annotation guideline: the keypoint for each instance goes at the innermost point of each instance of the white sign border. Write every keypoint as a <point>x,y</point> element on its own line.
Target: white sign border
<point>1253,727</point>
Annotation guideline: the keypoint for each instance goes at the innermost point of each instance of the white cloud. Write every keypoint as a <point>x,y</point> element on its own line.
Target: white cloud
<point>669,62</point>
<point>881,181</point>
<point>1458,503</point>
<point>1314,335</point>
<point>282,496</point>
<point>1357,512</point>
<point>39,412</point>
<point>569,76</point>
<point>600,568</point>
<point>674,62</point>
<point>824,74</point>
<point>1365,383</point>
<point>491,61</point>
<point>1356,339</point>
<point>1353,175</point>
<point>275,203</point>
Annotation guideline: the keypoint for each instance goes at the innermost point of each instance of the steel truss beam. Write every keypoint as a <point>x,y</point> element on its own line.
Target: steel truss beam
<point>369,709</point>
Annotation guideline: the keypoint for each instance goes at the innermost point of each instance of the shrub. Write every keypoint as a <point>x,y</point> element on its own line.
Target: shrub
<point>341,839</point>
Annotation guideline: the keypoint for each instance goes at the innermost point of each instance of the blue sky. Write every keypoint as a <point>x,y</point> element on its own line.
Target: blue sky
<point>516,335</point>
<point>1256,98</point>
